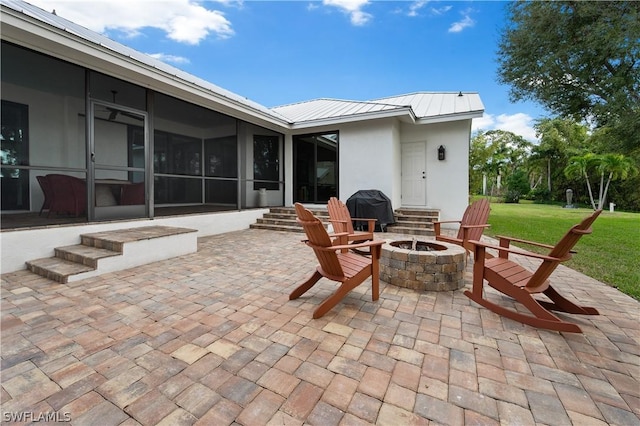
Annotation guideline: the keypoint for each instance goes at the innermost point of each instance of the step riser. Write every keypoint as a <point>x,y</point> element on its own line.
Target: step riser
<point>72,257</point>
<point>424,219</point>
<point>53,276</point>
<point>408,221</point>
<point>277,222</point>
<point>101,243</point>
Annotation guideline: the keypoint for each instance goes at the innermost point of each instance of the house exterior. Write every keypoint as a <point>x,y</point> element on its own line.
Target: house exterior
<point>77,103</point>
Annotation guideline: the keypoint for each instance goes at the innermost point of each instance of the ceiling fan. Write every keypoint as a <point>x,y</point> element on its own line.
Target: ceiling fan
<point>113,112</point>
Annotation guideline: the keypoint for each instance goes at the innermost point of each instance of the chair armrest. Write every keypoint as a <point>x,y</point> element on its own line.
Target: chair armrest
<point>519,240</point>
<point>337,235</point>
<point>486,225</point>
<point>447,221</point>
<point>346,246</point>
<point>467,228</point>
<point>518,251</point>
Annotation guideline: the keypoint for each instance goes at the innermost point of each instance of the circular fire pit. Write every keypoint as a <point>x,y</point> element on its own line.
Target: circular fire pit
<point>423,265</point>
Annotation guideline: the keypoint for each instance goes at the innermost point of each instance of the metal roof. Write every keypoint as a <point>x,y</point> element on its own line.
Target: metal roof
<point>420,107</point>
<point>324,109</point>
<point>427,105</point>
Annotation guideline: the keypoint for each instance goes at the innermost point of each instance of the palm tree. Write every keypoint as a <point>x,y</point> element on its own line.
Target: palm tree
<point>617,166</point>
<point>579,167</point>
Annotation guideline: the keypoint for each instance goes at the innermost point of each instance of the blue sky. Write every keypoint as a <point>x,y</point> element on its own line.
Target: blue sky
<point>280,52</point>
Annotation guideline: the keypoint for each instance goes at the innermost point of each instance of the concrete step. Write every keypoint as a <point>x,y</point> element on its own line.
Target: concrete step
<point>274,227</point>
<point>413,224</point>
<point>413,218</point>
<point>279,221</point>
<point>84,255</point>
<point>115,250</point>
<point>396,229</point>
<point>424,213</point>
<point>408,221</point>
<point>57,269</point>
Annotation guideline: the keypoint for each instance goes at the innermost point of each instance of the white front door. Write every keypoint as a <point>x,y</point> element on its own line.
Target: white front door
<point>414,174</point>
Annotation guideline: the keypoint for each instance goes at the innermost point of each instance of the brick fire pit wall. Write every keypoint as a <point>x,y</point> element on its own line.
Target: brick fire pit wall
<point>441,269</point>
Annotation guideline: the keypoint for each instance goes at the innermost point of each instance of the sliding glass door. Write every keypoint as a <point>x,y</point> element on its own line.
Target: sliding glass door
<point>315,167</point>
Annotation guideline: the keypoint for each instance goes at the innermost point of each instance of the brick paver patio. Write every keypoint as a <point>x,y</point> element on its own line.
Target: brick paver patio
<point>212,339</point>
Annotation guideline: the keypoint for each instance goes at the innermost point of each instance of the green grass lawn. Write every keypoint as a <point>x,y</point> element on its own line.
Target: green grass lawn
<point>610,254</point>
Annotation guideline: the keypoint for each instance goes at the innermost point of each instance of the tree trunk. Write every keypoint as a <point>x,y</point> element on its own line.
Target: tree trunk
<point>601,194</point>
<point>593,203</point>
<point>606,189</point>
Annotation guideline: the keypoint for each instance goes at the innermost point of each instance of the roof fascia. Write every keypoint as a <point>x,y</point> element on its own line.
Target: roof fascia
<point>405,113</point>
<point>450,117</point>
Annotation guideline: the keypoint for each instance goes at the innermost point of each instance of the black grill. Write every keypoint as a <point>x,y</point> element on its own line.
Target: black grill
<point>371,204</point>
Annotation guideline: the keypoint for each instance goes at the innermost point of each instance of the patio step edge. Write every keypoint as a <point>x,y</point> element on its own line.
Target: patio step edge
<point>84,255</point>
<point>57,269</point>
<point>115,250</point>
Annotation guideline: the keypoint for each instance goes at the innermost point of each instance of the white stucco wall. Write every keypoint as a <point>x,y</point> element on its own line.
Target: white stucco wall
<point>367,158</point>
<point>370,157</point>
<point>448,180</point>
<point>23,245</point>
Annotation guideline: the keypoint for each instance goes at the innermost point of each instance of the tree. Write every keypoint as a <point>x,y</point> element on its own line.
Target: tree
<point>495,154</point>
<point>579,167</point>
<point>560,139</point>
<point>580,60</point>
<point>517,185</point>
<point>608,166</point>
<point>614,166</point>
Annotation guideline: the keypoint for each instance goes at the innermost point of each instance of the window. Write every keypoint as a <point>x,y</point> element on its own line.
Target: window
<point>266,170</point>
<point>15,152</point>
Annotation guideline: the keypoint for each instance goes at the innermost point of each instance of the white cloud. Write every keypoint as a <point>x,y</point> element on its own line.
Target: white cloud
<point>519,123</point>
<point>185,21</point>
<point>353,8</point>
<point>170,58</point>
<point>441,10</point>
<point>416,6</point>
<point>465,22</point>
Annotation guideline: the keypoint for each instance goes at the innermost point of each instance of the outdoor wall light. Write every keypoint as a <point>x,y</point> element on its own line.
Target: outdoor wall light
<point>441,153</point>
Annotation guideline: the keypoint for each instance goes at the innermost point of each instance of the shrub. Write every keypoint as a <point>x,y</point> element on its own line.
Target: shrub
<point>517,184</point>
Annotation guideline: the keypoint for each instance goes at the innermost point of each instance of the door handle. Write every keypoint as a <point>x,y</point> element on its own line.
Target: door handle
<point>93,157</point>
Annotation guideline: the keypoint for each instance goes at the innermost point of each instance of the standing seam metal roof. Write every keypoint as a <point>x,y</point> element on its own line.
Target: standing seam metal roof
<point>424,105</point>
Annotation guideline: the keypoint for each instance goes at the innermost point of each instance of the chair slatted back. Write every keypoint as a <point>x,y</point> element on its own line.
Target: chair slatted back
<point>477,213</point>
<point>339,211</point>
<point>562,250</point>
<point>46,191</point>
<point>318,236</point>
<point>69,194</point>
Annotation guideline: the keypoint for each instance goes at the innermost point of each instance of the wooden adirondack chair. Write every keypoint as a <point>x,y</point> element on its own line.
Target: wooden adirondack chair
<point>342,222</point>
<point>472,225</point>
<point>519,283</point>
<point>347,268</point>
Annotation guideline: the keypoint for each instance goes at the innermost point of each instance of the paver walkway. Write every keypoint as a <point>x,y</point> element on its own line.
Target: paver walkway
<point>212,339</point>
